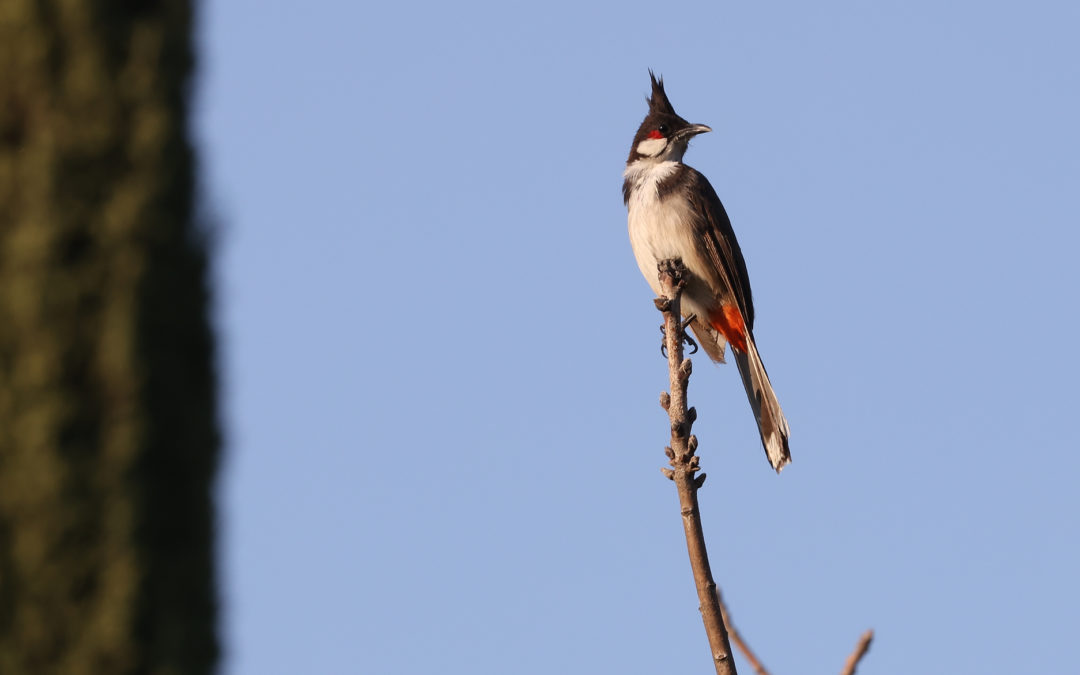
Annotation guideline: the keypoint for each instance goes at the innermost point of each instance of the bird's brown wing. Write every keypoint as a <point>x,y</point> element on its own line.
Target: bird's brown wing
<point>714,234</point>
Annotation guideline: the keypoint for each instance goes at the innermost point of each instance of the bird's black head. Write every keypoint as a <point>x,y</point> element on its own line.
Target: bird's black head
<point>663,135</point>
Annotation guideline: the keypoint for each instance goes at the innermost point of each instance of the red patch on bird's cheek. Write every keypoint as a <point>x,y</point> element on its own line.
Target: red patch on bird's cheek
<point>655,134</point>
<point>728,320</point>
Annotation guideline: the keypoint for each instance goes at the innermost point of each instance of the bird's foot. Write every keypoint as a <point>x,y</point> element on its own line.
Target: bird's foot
<point>685,336</point>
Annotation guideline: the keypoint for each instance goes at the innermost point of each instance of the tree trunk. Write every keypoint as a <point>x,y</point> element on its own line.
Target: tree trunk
<point>108,428</point>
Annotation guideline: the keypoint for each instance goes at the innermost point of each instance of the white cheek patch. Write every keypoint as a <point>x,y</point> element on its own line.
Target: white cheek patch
<point>651,147</point>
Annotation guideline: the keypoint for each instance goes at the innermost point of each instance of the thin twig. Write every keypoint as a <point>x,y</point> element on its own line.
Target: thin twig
<point>685,464</point>
<point>860,650</point>
<point>737,640</point>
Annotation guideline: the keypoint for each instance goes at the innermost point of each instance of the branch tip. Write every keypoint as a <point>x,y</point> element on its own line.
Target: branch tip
<point>672,267</point>
<point>667,472</point>
<point>669,452</point>
<point>665,400</point>
<point>685,368</point>
<point>861,648</point>
<point>699,481</point>
<point>691,444</point>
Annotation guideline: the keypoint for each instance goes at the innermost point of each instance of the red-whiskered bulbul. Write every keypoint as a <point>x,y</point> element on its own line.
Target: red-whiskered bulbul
<point>675,213</point>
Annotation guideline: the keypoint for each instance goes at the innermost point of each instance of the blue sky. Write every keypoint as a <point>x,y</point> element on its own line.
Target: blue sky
<point>441,364</point>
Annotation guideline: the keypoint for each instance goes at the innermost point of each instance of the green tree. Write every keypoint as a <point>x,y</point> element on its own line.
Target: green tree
<point>108,426</point>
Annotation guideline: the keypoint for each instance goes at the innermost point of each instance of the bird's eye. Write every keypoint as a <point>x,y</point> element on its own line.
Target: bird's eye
<point>662,129</point>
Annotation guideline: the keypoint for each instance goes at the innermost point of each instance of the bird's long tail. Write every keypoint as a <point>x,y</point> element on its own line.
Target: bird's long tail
<point>725,327</point>
<point>770,418</point>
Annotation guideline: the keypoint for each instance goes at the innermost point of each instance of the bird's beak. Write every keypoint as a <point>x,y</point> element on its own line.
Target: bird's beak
<point>695,129</point>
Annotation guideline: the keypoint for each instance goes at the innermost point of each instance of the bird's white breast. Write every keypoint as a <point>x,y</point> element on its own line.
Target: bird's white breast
<point>659,228</point>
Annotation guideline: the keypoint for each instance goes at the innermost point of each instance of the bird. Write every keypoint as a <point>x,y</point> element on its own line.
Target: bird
<point>674,212</point>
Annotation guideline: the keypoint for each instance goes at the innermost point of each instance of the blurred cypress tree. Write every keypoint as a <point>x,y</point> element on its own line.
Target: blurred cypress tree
<point>108,429</point>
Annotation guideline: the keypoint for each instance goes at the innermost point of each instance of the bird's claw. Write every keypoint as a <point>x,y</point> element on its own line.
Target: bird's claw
<point>690,342</point>
<point>685,336</point>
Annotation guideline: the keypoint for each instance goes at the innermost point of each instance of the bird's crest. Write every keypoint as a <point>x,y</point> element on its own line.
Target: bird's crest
<point>658,102</point>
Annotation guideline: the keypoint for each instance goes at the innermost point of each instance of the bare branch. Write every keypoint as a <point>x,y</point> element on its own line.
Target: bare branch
<point>737,640</point>
<point>860,650</point>
<point>685,464</point>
